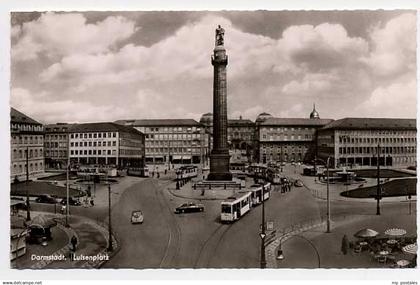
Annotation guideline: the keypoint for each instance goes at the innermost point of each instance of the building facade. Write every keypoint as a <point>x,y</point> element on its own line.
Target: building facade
<point>240,137</point>
<point>171,141</point>
<point>288,139</point>
<point>56,145</point>
<point>106,144</point>
<point>353,142</point>
<point>27,146</point>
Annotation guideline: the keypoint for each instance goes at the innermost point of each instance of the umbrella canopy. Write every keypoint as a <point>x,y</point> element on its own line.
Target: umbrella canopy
<point>411,248</point>
<point>395,232</point>
<point>366,233</point>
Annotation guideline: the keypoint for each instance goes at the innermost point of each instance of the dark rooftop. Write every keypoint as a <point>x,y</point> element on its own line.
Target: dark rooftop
<point>18,117</point>
<point>295,122</point>
<point>158,122</point>
<point>102,127</point>
<point>372,123</point>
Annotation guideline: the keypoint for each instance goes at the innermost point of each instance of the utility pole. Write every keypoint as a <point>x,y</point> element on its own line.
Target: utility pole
<point>28,213</point>
<point>67,191</point>
<point>328,197</point>
<point>110,248</point>
<point>378,189</point>
<point>262,234</point>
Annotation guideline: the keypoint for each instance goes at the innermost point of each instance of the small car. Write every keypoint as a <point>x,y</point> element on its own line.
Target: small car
<point>137,217</point>
<point>45,198</point>
<point>72,202</point>
<point>189,208</point>
<point>298,183</point>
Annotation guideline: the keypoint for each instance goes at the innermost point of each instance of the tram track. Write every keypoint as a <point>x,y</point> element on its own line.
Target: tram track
<point>173,246</point>
<point>210,246</point>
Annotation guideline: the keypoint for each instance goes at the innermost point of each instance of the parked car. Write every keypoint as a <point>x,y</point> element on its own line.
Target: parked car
<point>298,183</point>
<point>189,208</point>
<point>137,217</point>
<point>45,198</point>
<point>72,202</point>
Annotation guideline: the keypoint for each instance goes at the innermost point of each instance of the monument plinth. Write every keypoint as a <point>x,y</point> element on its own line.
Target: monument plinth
<point>219,157</point>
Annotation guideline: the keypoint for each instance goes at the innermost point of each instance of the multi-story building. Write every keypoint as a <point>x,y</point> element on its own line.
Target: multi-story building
<point>106,144</point>
<point>171,141</point>
<point>240,137</point>
<point>354,142</point>
<point>287,139</point>
<point>27,146</point>
<point>56,145</point>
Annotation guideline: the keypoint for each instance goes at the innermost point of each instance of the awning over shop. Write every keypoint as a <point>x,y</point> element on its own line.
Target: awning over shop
<point>178,157</point>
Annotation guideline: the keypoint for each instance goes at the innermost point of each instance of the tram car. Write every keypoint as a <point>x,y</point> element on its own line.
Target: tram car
<point>258,192</point>
<point>235,206</point>
<point>257,170</point>
<point>187,171</point>
<point>274,175</point>
<point>138,171</point>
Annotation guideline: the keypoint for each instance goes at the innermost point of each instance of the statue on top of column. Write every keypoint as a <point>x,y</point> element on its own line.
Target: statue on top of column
<point>220,33</point>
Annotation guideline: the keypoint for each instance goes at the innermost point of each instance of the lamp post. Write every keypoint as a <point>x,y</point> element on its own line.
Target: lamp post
<point>281,256</point>
<point>28,213</point>
<point>67,191</point>
<point>110,247</point>
<point>378,189</point>
<point>328,196</point>
<point>263,262</point>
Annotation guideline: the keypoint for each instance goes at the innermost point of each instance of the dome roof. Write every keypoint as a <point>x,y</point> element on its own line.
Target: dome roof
<point>262,117</point>
<point>314,114</point>
<point>206,118</point>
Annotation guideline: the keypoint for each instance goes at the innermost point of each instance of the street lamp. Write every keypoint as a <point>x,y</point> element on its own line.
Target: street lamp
<point>378,188</point>
<point>28,213</point>
<point>263,262</point>
<point>328,196</point>
<point>280,255</point>
<point>110,247</point>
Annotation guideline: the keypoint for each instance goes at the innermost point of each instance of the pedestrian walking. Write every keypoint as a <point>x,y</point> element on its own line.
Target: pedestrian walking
<point>74,242</point>
<point>63,210</point>
<point>92,203</point>
<point>345,245</point>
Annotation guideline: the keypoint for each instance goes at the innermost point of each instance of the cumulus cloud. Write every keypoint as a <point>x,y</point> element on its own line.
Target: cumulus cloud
<point>396,100</point>
<point>96,65</point>
<point>394,47</point>
<point>68,33</point>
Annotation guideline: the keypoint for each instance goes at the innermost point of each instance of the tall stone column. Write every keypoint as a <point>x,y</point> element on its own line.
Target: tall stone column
<point>219,158</point>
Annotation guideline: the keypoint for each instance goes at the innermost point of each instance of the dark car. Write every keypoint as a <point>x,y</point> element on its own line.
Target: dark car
<point>45,198</point>
<point>189,208</point>
<point>72,202</point>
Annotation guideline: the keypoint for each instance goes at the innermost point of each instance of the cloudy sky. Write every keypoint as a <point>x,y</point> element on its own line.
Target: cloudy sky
<point>103,66</point>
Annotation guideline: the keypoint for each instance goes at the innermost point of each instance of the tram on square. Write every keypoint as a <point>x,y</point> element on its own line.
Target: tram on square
<point>187,171</point>
<point>273,175</point>
<point>235,206</point>
<point>138,171</point>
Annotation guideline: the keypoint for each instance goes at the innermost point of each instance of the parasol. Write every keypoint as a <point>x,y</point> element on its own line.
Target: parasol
<point>411,248</point>
<point>395,232</point>
<point>366,233</point>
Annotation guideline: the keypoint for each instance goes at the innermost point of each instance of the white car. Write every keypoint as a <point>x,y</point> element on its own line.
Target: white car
<point>137,217</point>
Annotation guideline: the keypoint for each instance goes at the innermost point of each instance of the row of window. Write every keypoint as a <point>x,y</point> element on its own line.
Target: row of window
<point>172,143</point>
<point>171,150</point>
<point>172,136</point>
<point>346,139</point>
<point>21,168</point>
<point>29,139</point>
<point>20,154</point>
<point>26,127</point>
<point>93,135</point>
<point>373,150</point>
<point>124,152</point>
<point>376,133</point>
<point>286,137</point>
<point>104,143</point>
<point>56,153</point>
<point>172,129</point>
<point>55,137</point>
<point>93,152</point>
<point>284,129</point>
<point>55,144</point>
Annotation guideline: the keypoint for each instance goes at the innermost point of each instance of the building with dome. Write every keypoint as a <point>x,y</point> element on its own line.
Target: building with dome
<point>314,114</point>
